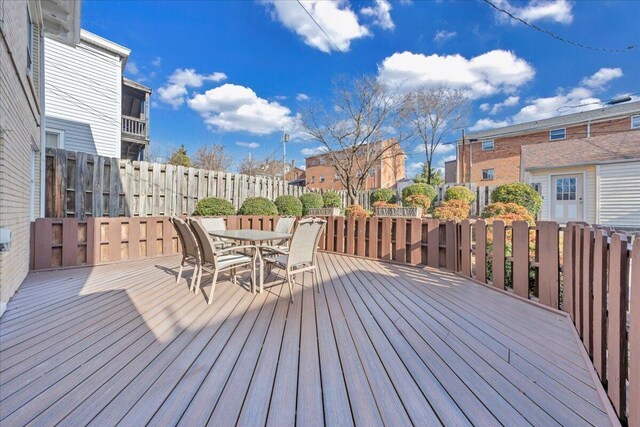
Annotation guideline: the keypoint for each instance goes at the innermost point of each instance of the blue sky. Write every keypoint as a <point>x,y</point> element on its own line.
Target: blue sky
<point>236,72</point>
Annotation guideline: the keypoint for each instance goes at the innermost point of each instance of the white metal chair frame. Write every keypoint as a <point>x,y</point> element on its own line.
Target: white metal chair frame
<point>215,224</point>
<point>284,225</point>
<point>190,252</point>
<point>215,261</point>
<point>302,253</point>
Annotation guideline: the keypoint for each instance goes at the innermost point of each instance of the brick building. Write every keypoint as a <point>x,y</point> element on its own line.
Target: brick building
<point>320,173</point>
<point>22,28</point>
<point>493,157</point>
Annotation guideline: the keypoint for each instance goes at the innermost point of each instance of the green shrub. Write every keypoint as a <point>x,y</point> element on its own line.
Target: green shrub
<point>331,199</point>
<point>356,211</point>
<point>418,201</point>
<point>420,188</point>
<point>381,204</point>
<point>456,210</point>
<point>258,206</point>
<point>519,193</point>
<point>507,212</point>
<point>311,201</point>
<point>459,193</point>
<point>213,206</point>
<point>382,195</point>
<point>289,205</point>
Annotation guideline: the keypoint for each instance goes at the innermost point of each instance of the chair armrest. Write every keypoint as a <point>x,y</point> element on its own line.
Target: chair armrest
<point>235,248</point>
<point>274,249</point>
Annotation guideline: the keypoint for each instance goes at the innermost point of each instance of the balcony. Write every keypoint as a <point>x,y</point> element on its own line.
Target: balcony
<point>136,128</point>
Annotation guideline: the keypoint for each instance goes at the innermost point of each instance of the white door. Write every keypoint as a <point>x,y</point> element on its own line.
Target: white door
<point>566,200</point>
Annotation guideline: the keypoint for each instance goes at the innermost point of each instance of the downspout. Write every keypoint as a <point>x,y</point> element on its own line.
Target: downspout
<point>43,150</point>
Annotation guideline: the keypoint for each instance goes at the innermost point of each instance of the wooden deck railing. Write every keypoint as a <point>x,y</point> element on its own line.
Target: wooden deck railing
<point>591,274</point>
<point>135,126</point>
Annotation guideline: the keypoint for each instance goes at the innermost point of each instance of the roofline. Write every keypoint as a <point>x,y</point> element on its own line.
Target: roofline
<point>105,44</point>
<point>591,163</point>
<point>569,119</point>
<point>134,84</point>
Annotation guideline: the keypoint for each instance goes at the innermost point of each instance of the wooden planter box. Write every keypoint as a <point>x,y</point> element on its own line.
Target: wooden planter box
<point>398,212</point>
<point>324,212</point>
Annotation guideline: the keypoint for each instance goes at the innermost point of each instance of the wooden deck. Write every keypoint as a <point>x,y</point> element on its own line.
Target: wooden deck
<point>380,344</point>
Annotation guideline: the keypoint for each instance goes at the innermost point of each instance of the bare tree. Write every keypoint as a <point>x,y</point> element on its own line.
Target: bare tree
<point>363,125</point>
<point>267,166</point>
<point>213,157</point>
<point>433,114</point>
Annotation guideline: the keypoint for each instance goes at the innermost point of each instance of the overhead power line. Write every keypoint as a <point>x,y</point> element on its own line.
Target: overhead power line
<point>556,36</point>
<point>320,27</point>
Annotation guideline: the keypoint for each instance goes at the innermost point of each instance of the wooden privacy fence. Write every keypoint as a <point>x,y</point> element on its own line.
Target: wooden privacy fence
<point>483,195</point>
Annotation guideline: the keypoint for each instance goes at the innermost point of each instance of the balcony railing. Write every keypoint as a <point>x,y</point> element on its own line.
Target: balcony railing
<point>136,127</point>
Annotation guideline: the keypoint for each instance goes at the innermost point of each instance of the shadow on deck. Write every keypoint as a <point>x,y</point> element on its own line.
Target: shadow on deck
<point>379,344</point>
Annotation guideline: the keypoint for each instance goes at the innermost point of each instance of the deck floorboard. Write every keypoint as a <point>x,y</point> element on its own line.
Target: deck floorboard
<point>380,344</point>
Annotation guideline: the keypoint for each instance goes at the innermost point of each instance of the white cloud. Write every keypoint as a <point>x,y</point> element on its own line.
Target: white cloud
<point>445,159</point>
<point>157,61</point>
<point>484,75</point>
<point>302,97</point>
<point>381,14</point>
<point>334,16</point>
<point>233,108</point>
<point>509,102</point>
<point>175,90</point>
<point>485,106</point>
<point>414,168</point>
<point>559,11</point>
<point>443,35</point>
<point>483,124</point>
<point>131,68</point>
<point>601,77</point>
<point>440,148</point>
<point>308,152</point>
<point>247,144</point>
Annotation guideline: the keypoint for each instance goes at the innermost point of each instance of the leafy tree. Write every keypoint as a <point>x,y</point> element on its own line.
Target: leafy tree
<point>436,177</point>
<point>180,157</point>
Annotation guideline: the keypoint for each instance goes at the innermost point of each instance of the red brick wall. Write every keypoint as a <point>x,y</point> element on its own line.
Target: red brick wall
<point>504,159</point>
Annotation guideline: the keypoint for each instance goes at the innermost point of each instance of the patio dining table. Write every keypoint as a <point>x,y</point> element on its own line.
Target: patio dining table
<point>252,236</point>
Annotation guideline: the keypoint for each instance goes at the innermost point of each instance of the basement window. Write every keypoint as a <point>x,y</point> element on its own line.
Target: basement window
<point>556,134</point>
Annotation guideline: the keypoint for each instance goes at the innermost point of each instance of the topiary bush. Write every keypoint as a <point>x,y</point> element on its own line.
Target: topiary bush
<point>459,192</point>
<point>258,206</point>
<point>381,204</point>
<point>382,195</point>
<point>519,193</point>
<point>507,212</point>
<point>418,201</point>
<point>311,201</point>
<point>213,206</point>
<point>457,210</point>
<point>420,188</point>
<point>331,199</point>
<point>288,205</point>
<point>355,211</point>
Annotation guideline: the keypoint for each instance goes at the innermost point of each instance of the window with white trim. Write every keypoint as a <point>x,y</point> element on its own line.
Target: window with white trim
<point>54,138</point>
<point>487,174</point>
<point>487,145</point>
<point>635,122</point>
<point>556,134</point>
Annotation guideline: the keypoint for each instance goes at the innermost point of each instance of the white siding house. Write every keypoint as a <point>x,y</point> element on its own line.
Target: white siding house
<point>83,91</point>
<point>618,190</point>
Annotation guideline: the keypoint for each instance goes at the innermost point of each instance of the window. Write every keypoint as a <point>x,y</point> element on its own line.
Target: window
<point>321,178</point>
<point>556,134</point>
<point>566,189</point>
<point>29,41</point>
<point>54,138</point>
<point>487,145</point>
<point>336,178</point>
<point>487,173</point>
<point>635,122</point>
<point>372,172</point>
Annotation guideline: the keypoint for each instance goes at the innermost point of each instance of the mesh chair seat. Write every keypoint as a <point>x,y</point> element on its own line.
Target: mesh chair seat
<point>225,261</point>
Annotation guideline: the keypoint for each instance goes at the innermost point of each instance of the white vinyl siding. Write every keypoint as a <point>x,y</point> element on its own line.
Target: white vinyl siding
<point>619,194</point>
<point>543,176</point>
<point>83,89</point>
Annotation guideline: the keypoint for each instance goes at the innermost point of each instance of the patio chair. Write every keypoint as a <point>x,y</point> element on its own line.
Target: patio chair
<point>284,225</point>
<point>215,224</point>
<point>190,252</point>
<point>302,253</point>
<point>215,261</point>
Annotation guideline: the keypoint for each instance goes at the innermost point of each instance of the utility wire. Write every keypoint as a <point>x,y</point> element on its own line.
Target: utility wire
<point>320,27</point>
<point>557,37</point>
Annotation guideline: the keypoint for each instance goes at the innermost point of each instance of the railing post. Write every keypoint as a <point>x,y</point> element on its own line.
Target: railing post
<point>567,270</point>
<point>433,243</point>
<point>616,331</point>
<point>587,284</point>
<point>634,338</point>
<point>520,250</point>
<point>451,246</point>
<point>548,263</point>
<point>465,243</point>
<point>481,250</point>
<point>600,303</point>
<point>497,254</point>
